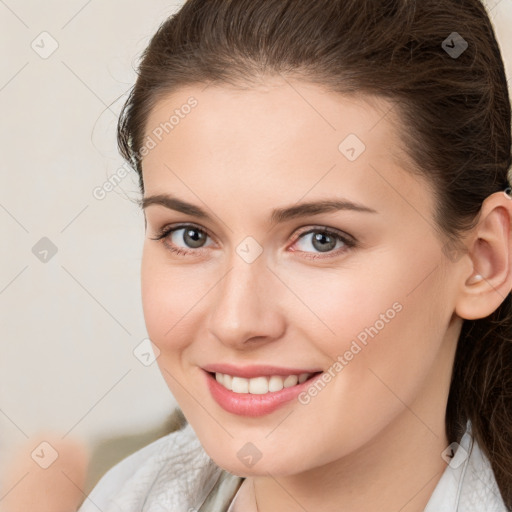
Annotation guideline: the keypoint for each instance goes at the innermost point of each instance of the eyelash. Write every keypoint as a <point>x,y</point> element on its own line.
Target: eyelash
<point>348,241</point>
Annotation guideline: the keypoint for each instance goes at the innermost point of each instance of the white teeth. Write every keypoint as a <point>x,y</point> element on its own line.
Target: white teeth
<point>240,385</point>
<point>228,381</point>
<point>290,381</point>
<point>260,385</point>
<point>275,383</point>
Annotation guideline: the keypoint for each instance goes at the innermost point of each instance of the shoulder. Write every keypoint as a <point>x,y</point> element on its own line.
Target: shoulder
<point>161,471</point>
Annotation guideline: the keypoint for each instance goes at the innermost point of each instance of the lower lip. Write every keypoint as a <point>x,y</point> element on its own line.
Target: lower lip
<point>248,404</point>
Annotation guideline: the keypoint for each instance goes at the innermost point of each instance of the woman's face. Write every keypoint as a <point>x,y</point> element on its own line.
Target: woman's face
<point>266,287</point>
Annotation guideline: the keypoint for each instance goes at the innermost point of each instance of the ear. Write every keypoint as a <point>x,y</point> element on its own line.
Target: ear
<point>489,247</point>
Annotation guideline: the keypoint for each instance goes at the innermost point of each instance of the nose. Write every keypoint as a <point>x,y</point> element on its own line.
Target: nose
<point>245,310</point>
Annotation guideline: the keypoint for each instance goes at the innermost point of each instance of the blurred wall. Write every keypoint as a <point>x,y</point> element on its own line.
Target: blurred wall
<point>70,308</point>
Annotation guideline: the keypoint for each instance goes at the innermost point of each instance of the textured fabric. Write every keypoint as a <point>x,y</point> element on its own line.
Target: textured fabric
<point>174,474</point>
<point>468,483</point>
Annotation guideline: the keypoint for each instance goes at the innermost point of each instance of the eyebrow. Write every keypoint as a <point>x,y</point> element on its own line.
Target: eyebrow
<point>278,215</point>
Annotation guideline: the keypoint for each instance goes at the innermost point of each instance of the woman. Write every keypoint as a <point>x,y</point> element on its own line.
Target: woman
<point>326,274</point>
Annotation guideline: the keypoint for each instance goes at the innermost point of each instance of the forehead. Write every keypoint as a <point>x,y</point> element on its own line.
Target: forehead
<point>278,116</point>
<point>283,136</point>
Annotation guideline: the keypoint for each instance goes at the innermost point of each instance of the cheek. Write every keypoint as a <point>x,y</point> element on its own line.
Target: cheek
<point>168,298</point>
<point>391,346</point>
<point>389,318</point>
<point>339,306</point>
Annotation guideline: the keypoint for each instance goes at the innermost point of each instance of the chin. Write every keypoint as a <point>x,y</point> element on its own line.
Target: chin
<point>260,465</point>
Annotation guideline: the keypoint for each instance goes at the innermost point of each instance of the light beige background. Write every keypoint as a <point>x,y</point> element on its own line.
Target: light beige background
<point>70,325</point>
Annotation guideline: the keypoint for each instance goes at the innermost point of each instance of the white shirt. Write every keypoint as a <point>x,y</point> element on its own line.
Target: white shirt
<point>175,474</point>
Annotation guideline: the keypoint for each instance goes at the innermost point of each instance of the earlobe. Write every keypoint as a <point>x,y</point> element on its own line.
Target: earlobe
<point>490,251</point>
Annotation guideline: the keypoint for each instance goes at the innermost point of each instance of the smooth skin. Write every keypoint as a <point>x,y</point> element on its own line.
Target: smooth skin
<point>372,439</point>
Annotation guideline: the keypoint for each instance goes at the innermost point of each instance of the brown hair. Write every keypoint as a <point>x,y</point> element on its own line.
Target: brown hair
<point>455,111</point>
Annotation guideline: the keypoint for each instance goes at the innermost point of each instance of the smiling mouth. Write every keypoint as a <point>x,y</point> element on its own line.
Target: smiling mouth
<point>260,385</point>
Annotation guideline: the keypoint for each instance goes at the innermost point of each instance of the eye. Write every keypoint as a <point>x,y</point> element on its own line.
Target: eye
<point>324,241</point>
<point>191,236</point>
<point>327,241</point>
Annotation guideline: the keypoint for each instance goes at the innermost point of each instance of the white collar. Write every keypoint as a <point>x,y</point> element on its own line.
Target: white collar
<point>468,483</point>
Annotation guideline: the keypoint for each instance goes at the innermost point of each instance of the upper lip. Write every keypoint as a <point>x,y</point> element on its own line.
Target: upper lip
<point>251,371</point>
